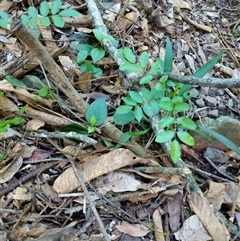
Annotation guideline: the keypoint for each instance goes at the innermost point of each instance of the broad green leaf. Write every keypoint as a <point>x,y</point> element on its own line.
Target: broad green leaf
<point>97,54</point>
<point>123,109</point>
<point>136,96</point>
<point>166,121</point>
<point>180,107</point>
<point>186,122</point>
<point>32,12</point>
<point>175,151</point>
<point>163,79</point>
<point>44,9</point>
<point>98,34</point>
<point>84,47</point>
<point>123,119</point>
<point>129,101</point>
<point>166,104</point>
<point>114,42</point>
<point>82,55</point>
<point>185,138</point>
<point>74,127</point>
<point>157,67</point>
<point>138,113</point>
<point>157,94</point>
<point>147,94</point>
<point>45,21</point>
<point>165,136</point>
<point>33,22</point>
<point>147,109</point>
<point>3,127</point>
<point>143,59</point>
<point>93,121</point>
<point>15,82</point>
<point>177,99</point>
<point>131,67</point>
<point>55,7</point>
<point>3,16</point>
<point>168,59</point>
<point>129,55</point>
<point>97,110</point>
<point>146,79</point>
<point>91,129</point>
<point>221,138</point>
<point>15,121</point>
<point>155,106</point>
<point>44,91</point>
<point>24,18</point>
<point>1,157</point>
<point>69,13</point>
<point>58,21</point>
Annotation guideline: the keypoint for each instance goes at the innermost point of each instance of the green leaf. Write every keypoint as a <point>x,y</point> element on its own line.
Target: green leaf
<point>84,47</point>
<point>143,59</point>
<point>186,122</point>
<point>208,66</point>
<point>131,67</point>
<point>168,59</point>
<point>123,119</point>
<point>136,96</point>
<point>129,101</point>
<point>138,113</point>
<point>44,8</point>
<point>44,91</point>
<point>165,136</point>
<point>185,138</point>
<point>123,109</point>
<point>147,94</point>
<point>114,42</point>
<point>55,7</point>
<point>4,16</point>
<point>177,99</point>
<point>69,13</point>
<point>175,151</point>
<point>155,106</point>
<point>166,104</point>
<point>3,127</point>
<point>146,79</point>
<point>157,67</point>
<point>24,18</point>
<point>97,110</point>
<point>45,21</point>
<point>222,139</point>
<point>147,109</point>
<point>166,121</point>
<point>163,79</point>
<point>33,22</point>
<point>98,34</point>
<point>75,128</point>
<point>15,121</point>
<point>93,121</point>
<point>180,107</point>
<point>15,82</point>
<point>82,55</point>
<point>58,21</point>
<point>91,129</point>
<point>1,157</point>
<point>32,12</point>
<point>129,55</point>
<point>97,54</point>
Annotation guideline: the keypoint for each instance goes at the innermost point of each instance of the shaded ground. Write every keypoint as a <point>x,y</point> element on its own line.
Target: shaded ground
<point>40,194</point>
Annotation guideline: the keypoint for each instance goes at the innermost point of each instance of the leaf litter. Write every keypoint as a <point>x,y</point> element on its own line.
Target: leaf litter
<point>38,205</point>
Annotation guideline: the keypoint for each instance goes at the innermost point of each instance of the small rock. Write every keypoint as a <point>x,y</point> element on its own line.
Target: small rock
<point>213,91</point>
<point>200,102</point>
<point>194,92</point>
<point>213,113</point>
<point>204,90</point>
<point>221,106</point>
<point>220,91</point>
<point>211,101</point>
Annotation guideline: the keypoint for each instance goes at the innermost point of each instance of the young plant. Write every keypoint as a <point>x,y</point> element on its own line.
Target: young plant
<point>48,13</point>
<point>166,98</point>
<point>96,114</point>
<point>95,52</point>
<point>4,20</point>
<point>5,124</point>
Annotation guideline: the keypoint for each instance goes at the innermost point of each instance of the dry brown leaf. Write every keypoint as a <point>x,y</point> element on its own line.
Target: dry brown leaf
<point>135,230</point>
<point>180,4</point>
<point>5,5</point>
<point>47,36</point>
<point>202,209</point>
<point>7,107</point>
<point>95,167</point>
<point>192,230</point>
<point>34,125</point>
<point>158,226</point>
<point>5,86</point>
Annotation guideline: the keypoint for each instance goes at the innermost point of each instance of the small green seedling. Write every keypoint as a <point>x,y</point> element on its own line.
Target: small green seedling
<point>49,12</point>
<point>4,20</point>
